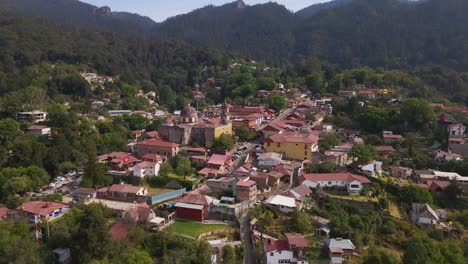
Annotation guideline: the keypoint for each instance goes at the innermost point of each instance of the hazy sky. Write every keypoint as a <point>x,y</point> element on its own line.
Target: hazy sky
<point>159,10</point>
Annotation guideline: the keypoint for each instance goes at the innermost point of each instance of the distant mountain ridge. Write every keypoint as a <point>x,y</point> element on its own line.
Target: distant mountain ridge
<point>313,9</point>
<point>349,33</point>
<point>76,13</point>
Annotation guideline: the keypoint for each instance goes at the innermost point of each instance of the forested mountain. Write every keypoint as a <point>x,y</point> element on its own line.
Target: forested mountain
<point>76,13</point>
<point>378,33</point>
<point>260,31</point>
<point>387,33</point>
<point>313,9</point>
<point>27,42</point>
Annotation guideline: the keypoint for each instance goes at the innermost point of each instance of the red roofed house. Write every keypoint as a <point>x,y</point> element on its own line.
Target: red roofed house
<point>297,244</point>
<point>441,155</point>
<point>46,210</point>
<point>123,192</point>
<point>301,193</point>
<point>385,151</point>
<point>248,122</point>
<point>296,146</point>
<point>156,146</point>
<point>118,160</point>
<point>216,165</point>
<point>261,178</point>
<point>389,137</point>
<point>286,251</point>
<point>401,172</point>
<point>369,94</point>
<point>39,130</point>
<point>4,213</point>
<point>193,207</point>
<point>246,190</point>
<point>435,186</point>
<point>141,214</point>
<point>353,183</point>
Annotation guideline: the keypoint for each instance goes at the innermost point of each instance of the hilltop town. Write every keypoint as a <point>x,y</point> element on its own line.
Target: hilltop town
<point>234,133</point>
<point>280,174</point>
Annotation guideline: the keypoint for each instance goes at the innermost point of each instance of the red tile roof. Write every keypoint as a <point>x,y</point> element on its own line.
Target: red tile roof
<point>245,183</point>
<point>147,164</point>
<point>191,198</point>
<point>275,245</point>
<point>140,213</point>
<point>292,137</point>
<point>41,208</point>
<point>158,143</point>
<point>296,240</point>
<point>392,136</point>
<point>152,157</point>
<point>37,127</point>
<point>384,149</point>
<point>3,212</point>
<point>124,188</point>
<point>341,176</point>
<point>217,159</point>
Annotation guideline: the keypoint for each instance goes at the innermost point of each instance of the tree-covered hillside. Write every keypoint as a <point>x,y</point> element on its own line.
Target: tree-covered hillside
<point>25,42</point>
<point>378,33</point>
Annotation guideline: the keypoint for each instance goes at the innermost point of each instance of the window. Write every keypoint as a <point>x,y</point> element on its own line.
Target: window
<point>305,152</point>
<point>305,146</point>
<point>329,182</point>
<point>278,145</point>
<point>268,144</point>
<point>271,254</point>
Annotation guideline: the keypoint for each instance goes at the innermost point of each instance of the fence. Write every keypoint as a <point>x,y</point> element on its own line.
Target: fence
<point>165,196</point>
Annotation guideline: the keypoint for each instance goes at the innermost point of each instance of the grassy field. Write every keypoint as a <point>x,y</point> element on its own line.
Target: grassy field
<point>394,210</point>
<point>157,191</point>
<point>194,229</point>
<point>359,198</point>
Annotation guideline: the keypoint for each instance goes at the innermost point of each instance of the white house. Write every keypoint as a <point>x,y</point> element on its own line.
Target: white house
<point>43,210</point>
<point>277,251</point>
<point>39,130</point>
<point>291,250</point>
<point>269,159</point>
<point>456,130</point>
<point>116,113</point>
<point>146,169</point>
<point>35,116</point>
<point>97,104</point>
<point>352,183</point>
<point>374,168</point>
<point>282,203</point>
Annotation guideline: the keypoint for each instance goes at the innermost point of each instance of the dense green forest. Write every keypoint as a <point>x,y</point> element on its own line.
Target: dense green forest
<point>377,33</point>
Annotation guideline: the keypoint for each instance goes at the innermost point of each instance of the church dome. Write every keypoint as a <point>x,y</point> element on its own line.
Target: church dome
<point>188,111</point>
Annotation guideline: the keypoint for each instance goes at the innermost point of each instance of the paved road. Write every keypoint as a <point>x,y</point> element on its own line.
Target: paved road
<point>281,116</point>
<point>246,237</point>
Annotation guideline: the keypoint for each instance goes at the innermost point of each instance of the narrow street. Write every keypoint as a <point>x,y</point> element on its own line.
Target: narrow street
<point>246,237</point>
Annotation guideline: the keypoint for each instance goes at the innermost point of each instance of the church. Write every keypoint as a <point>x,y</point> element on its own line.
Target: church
<point>188,129</point>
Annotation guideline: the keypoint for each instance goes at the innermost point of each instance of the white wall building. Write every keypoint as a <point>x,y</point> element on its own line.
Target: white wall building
<point>146,169</point>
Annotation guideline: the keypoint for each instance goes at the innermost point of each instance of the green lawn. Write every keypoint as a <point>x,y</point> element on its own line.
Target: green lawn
<point>359,198</point>
<point>394,210</point>
<point>156,191</point>
<point>194,229</point>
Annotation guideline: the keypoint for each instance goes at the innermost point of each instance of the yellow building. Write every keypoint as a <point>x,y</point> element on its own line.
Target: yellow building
<point>292,145</point>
